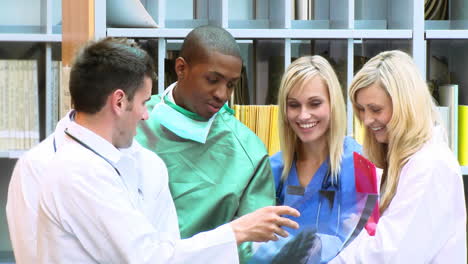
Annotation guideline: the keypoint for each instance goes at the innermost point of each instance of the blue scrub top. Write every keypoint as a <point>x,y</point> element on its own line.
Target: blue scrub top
<point>323,207</point>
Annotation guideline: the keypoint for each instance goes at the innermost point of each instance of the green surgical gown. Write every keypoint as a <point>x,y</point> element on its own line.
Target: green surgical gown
<point>215,182</point>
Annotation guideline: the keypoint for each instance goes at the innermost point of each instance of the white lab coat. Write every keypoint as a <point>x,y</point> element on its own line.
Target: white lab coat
<point>23,194</point>
<point>90,214</point>
<point>426,220</point>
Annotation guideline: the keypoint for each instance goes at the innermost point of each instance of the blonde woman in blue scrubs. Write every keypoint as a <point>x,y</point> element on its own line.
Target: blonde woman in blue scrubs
<point>314,170</point>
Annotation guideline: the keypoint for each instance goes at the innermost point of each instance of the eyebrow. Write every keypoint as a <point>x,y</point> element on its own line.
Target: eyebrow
<point>373,105</point>
<point>218,74</point>
<point>308,99</point>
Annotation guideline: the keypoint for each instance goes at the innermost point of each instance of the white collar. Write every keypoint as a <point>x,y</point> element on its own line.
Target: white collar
<point>95,142</point>
<point>59,133</point>
<point>170,93</point>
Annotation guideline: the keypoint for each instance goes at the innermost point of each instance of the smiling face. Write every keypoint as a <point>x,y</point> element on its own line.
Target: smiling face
<point>308,110</point>
<point>375,110</point>
<point>204,87</point>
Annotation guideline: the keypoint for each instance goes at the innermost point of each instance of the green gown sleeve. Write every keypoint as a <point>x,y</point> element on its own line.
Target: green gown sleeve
<point>259,193</point>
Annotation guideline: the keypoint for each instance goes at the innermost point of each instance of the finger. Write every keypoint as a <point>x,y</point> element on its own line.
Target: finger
<point>285,210</point>
<point>281,232</point>
<point>283,221</point>
<point>274,237</point>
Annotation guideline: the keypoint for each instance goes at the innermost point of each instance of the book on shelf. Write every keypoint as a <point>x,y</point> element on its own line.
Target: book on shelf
<point>3,105</point>
<point>31,86</point>
<point>64,94</point>
<point>55,92</point>
<point>448,96</point>
<point>19,127</point>
<point>463,135</point>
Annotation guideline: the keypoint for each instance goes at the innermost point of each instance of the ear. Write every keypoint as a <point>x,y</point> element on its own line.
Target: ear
<point>118,101</point>
<point>181,67</point>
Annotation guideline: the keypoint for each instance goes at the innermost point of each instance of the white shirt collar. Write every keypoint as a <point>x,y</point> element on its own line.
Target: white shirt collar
<point>59,135</point>
<point>95,142</point>
<point>170,93</point>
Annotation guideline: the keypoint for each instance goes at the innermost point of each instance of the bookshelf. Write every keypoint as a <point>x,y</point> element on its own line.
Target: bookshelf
<point>268,31</point>
<point>271,32</point>
<point>30,32</point>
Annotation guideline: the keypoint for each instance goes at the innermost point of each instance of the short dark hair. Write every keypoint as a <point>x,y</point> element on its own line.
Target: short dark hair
<point>204,39</point>
<point>104,66</point>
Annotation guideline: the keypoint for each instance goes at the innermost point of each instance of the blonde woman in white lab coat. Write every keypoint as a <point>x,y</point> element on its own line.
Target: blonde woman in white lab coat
<point>422,203</point>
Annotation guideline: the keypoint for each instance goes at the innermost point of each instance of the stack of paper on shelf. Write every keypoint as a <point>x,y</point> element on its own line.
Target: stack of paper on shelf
<point>274,144</point>
<point>64,97</point>
<point>263,121</point>
<point>19,125</point>
<point>3,106</point>
<point>55,91</point>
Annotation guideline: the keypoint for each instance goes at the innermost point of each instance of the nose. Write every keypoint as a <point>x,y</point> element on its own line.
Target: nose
<point>367,118</point>
<point>304,114</point>
<point>222,93</point>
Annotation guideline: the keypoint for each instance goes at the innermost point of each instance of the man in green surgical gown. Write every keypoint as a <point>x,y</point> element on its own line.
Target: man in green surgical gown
<point>218,168</point>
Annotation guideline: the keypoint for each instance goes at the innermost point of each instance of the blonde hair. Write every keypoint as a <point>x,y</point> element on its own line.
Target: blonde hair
<point>298,73</point>
<point>414,115</point>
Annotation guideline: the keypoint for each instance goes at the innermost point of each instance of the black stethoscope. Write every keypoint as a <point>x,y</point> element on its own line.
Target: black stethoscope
<point>87,147</point>
<point>140,192</point>
<point>55,145</point>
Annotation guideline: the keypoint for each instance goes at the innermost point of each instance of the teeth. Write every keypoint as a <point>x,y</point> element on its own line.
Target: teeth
<point>308,125</point>
<point>376,128</point>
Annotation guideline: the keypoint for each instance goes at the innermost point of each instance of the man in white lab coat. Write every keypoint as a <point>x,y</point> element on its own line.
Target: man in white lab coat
<point>23,193</point>
<point>99,204</point>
